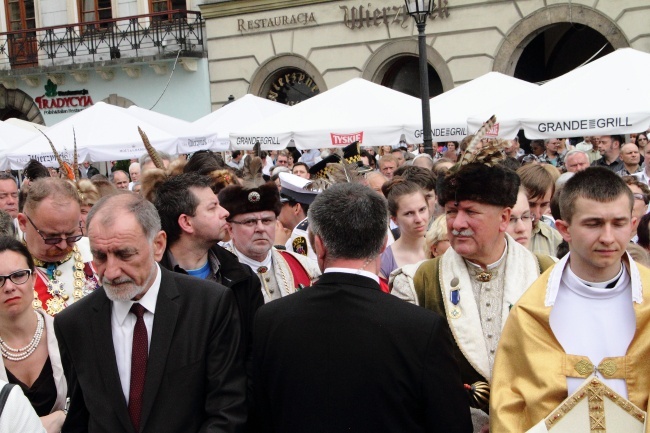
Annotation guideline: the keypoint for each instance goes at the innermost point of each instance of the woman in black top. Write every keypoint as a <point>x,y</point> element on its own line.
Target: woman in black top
<point>30,355</point>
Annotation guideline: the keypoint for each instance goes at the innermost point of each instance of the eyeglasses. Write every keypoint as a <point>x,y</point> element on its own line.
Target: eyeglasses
<point>252,222</point>
<point>17,277</point>
<point>526,219</point>
<point>642,197</point>
<point>54,241</point>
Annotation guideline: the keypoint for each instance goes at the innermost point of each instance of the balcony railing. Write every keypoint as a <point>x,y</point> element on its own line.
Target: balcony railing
<point>135,36</point>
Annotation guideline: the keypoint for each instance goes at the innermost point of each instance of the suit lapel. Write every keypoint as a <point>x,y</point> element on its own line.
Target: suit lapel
<point>107,364</point>
<point>164,323</point>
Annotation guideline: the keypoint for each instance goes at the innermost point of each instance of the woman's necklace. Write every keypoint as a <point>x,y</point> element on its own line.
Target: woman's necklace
<point>19,354</point>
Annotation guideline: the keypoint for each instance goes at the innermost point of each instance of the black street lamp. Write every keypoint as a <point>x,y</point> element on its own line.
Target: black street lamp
<point>420,11</point>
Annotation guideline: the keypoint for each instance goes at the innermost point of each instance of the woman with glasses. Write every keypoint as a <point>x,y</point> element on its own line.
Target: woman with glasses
<point>30,353</point>
<point>521,220</point>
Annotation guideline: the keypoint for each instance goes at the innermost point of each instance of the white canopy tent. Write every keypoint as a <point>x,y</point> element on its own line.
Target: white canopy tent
<point>12,136</point>
<point>235,116</point>
<point>357,110</point>
<point>606,96</point>
<point>450,110</point>
<point>103,133</point>
<point>192,138</point>
<point>24,124</point>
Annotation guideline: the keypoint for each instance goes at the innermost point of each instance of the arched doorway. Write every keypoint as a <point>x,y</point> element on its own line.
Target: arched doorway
<point>403,75</point>
<point>18,104</point>
<point>564,31</point>
<point>288,79</point>
<point>559,49</point>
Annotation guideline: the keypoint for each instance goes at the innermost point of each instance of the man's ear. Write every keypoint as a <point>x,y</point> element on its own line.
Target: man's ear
<point>563,228</point>
<point>185,223</point>
<point>319,247</point>
<point>22,222</point>
<point>159,245</point>
<point>504,219</point>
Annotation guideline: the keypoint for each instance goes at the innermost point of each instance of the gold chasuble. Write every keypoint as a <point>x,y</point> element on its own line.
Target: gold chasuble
<point>529,380</point>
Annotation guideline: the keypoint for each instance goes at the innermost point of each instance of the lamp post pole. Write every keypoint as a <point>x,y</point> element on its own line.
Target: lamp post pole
<point>420,11</point>
<point>424,88</point>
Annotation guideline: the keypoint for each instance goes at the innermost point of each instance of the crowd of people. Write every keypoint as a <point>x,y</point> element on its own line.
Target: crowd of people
<point>354,289</point>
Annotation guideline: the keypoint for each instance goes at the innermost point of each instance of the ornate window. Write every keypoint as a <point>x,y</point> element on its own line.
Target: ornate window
<point>22,46</point>
<point>95,10</point>
<point>167,5</point>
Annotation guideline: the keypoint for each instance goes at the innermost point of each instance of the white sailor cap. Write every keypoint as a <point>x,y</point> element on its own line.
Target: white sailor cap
<point>292,187</point>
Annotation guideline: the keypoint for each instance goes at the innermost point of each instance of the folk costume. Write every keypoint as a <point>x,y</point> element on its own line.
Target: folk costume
<point>280,273</point>
<point>475,300</point>
<point>533,373</point>
<point>59,284</point>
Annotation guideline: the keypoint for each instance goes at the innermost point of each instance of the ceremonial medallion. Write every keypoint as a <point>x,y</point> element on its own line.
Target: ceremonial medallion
<point>454,297</point>
<point>484,276</point>
<point>455,312</point>
<point>55,305</point>
<point>254,197</point>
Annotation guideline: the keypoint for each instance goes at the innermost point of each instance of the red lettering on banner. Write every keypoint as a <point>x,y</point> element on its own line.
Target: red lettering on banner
<point>494,131</point>
<point>345,139</point>
<point>69,101</point>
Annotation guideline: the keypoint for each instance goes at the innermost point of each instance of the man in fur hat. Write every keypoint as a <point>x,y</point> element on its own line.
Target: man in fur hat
<point>475,283</point>
<point>253,213</point>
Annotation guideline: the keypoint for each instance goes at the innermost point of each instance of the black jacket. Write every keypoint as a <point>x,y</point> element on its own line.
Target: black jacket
<point>195,380</point>
<point>342,356</point>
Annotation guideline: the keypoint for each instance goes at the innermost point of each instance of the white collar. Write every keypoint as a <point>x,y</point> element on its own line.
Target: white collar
<point>254,264</point>
<point>555,279</point>
<point>122,308</point>
<point>361,272</point>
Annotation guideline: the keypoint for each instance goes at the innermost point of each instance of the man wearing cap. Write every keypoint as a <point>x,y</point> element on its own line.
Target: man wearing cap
<point>295,201</point>
<point>194,221</point>
<point>475,283</point>
<point>253,211</point>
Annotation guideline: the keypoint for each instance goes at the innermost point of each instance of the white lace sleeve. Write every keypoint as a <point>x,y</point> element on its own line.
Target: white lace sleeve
<point>400,282</point>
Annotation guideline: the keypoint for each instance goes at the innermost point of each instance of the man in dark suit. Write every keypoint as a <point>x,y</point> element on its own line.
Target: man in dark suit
<point>342,356</point>
<point>153,351</point>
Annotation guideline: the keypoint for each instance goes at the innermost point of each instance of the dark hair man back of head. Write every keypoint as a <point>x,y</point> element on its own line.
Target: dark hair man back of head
<point>345,209</point>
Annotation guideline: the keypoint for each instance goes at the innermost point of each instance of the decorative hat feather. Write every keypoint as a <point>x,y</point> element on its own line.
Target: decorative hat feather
<point>67,170</point>
<point>155,158</point>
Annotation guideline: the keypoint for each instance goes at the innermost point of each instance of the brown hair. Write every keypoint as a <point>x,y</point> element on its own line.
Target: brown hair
<point>59,189</point>
<point>537,180</point>
<point>394,189</point>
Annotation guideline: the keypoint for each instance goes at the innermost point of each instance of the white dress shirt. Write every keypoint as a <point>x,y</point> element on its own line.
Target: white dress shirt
<point>122,324</point>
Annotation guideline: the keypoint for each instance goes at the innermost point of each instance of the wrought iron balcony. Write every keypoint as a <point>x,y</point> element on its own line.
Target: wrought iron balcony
<point>135,36</point>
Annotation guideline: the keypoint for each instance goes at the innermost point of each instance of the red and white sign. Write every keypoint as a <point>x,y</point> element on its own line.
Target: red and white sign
<point>494,131</point>
<point>345,139</point>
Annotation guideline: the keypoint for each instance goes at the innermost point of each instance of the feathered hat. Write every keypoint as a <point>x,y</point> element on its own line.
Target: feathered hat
<point>478,176</point>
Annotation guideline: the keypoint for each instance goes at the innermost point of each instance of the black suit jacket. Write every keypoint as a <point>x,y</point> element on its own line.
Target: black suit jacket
<point>342,356</point>
<point>195,379</point>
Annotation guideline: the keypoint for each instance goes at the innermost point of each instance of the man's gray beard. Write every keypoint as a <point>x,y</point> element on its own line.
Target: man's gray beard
<point>121,295</point>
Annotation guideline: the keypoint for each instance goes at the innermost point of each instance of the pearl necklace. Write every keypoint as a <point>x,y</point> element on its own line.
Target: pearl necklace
<point>19,354</point>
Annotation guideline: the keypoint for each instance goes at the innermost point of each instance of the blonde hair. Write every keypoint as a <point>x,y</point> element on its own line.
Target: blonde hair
<point>436,233</point>
<point>88,192</point>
